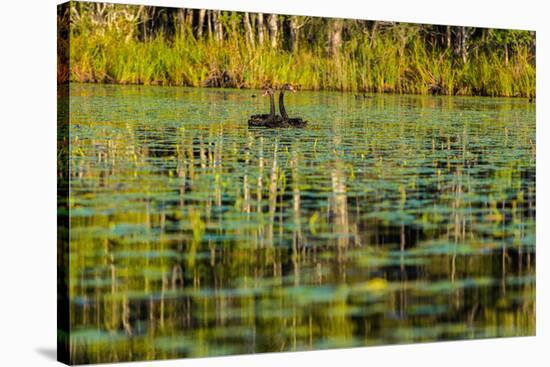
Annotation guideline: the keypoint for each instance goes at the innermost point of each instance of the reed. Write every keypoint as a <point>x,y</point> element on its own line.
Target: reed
<point>384,64</point>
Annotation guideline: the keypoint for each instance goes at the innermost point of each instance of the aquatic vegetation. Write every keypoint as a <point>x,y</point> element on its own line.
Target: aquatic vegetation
<point>390,219</point>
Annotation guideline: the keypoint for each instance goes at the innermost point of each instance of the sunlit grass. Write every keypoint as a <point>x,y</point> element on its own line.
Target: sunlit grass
<point>383,65</point>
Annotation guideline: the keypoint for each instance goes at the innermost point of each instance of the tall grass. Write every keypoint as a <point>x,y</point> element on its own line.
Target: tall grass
<point>385,64</point>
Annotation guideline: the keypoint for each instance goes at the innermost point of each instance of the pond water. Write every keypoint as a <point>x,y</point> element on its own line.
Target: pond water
<point>389,219</point>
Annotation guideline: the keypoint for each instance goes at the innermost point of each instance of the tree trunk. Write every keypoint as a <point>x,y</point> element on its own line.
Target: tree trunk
<point>273,29</point>
<point>373,31</point>
<point>181,20</point>
<point>335,36</point>
<point>294,34</point>
<point>190,17</point>
<point>209,21</point>
<point>261,35</point>
<point>200,26</point>
<point>449,37</point>
<point>463,51</point>
<point>145,20</point>
<point>218,29</point>
<point>506,54</point>
<point>249,31</point>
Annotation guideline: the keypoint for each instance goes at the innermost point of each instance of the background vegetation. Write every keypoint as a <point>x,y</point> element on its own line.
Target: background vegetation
<point>130,44</point>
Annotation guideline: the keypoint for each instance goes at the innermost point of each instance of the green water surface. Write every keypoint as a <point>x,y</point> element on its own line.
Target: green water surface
<point>389,219</point>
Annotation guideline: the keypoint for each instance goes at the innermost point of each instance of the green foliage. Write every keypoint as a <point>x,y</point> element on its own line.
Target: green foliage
<point>398,58</point>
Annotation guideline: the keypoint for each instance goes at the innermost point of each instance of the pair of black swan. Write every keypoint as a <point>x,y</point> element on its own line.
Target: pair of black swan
<point>272,119</point>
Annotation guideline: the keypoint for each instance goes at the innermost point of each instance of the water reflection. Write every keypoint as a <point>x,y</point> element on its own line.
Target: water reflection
<point>392,219</point>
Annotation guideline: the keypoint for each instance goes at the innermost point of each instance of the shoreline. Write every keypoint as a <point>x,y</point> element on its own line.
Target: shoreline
<point>357,93</point>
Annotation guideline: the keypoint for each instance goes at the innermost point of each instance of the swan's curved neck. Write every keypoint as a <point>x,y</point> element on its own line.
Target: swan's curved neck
<point>271,106</point>
<point>282,105</point>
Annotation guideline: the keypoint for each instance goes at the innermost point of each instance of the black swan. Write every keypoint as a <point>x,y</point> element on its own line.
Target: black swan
<point>294,121</point>
<point>437,88</point>
<point>267,119</point>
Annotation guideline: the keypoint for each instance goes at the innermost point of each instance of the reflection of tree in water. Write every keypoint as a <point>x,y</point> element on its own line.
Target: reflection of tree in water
<point>246,245</point>
<point>157,142</point>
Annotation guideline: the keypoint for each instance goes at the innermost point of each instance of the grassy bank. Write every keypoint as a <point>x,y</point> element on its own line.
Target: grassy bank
<point>399,60</point>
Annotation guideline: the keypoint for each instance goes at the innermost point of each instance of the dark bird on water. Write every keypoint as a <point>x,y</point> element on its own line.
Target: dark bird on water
<point>270,119</point>
<point>364,95</point>
<point>437,88</point>
<point>292,121</point>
